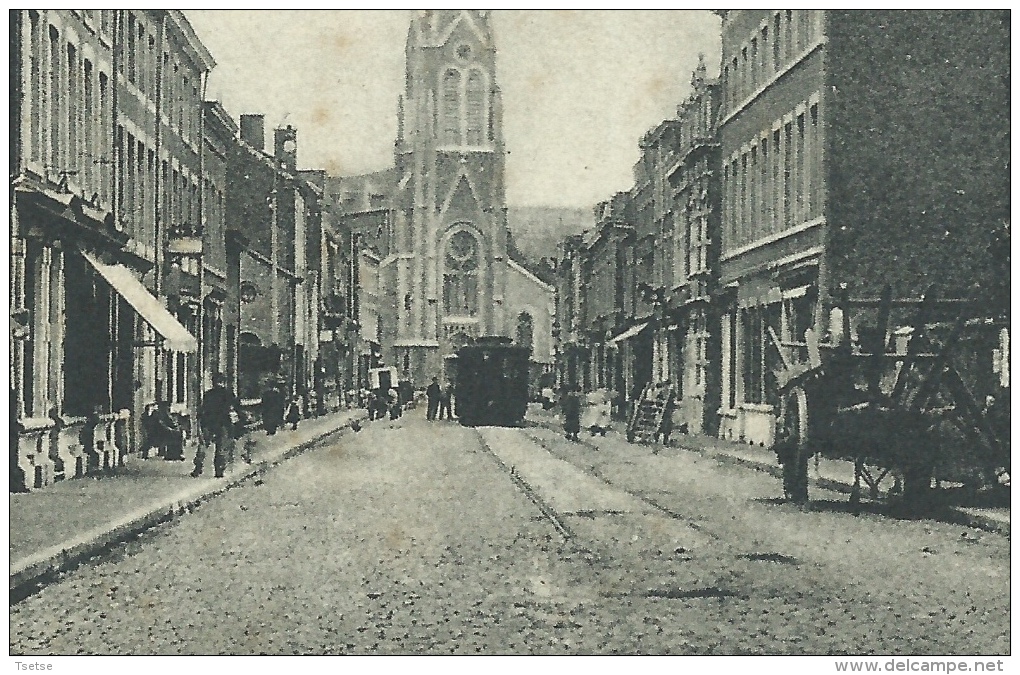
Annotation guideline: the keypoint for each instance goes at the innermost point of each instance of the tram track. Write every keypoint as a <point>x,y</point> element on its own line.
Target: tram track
<point>566,534</point>
<point>595,473</point>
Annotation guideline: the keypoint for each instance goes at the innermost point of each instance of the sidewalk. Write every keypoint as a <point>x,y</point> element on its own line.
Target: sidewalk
<point>832,474</point>
<point>55,528</point>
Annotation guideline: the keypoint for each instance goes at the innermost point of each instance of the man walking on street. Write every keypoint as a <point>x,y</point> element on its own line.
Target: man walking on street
<point>272,407</point>
<point>444,400</point>
<point>432,393</point>
<point>571,404</point>
<point>216,424</point>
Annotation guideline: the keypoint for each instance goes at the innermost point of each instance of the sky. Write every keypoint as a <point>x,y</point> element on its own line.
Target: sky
<point>579,87</point>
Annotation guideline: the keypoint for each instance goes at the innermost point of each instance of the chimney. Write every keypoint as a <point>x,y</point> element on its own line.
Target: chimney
<point>253,131</point>
<point>286,147</point>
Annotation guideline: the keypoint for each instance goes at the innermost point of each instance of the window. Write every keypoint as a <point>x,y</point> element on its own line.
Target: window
<point>131,53</point>
<point>777,43</point>
<point>815,188</point>
<point>727,103</point>
<point>71,165</point>
<point>760,353</point>
<point>88,127</point>
<point>744,74</point>
<point>743,230</point>
<point>102,154</point>
<point>140,210</point>
<point>787,178</point>
<point>525,332</point>
<point>476,96</point>
<point>735,88</point>
<point>777,181</point>
<point>128,179</point>
<point>753,65</point>
<point>752,210</point>
<point>37,88</point>
<point>142,59</point>
<point>789,36</point>
<point>460,277</point>
<point>55,99</point>
<point>765,197</point>
<point>802,184</point>
<point>450,125</point>
<point>184,125</point>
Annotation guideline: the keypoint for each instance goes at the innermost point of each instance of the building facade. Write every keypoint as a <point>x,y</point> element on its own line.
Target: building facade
<point>838,169</point>
<point>276,210</point>
<point>690,251</point>
<point>107,138</point>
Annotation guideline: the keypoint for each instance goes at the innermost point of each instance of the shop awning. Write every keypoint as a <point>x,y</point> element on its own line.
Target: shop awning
<point>629,333</point>
<point>177,337</point>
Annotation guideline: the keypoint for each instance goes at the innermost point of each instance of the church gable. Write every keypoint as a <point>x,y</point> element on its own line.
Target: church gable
<point>463,26</point>
<point>462,201</point>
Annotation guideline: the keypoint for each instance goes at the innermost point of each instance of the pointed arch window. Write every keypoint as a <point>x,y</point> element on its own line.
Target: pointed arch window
<point>475,108</point>
<point>460,277</point>
<point>525,333</point>
<point>451,100</point>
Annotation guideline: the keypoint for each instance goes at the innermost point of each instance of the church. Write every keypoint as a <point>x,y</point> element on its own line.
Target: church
<point>436,222</point>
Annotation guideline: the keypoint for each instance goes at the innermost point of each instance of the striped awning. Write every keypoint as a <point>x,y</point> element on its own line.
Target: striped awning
<point>629,333</point>
<point>123,281</point>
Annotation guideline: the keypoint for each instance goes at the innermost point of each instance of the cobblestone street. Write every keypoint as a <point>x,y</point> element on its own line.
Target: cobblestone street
<point>414,537</point>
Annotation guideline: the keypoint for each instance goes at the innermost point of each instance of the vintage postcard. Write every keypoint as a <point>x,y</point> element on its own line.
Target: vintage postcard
<point>507,332</point>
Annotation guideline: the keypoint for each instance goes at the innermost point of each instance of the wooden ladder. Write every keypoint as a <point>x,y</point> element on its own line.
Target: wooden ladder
<point>646,419</point>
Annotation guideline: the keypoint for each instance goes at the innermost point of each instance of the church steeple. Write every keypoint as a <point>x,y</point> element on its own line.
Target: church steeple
<point>450,162</point>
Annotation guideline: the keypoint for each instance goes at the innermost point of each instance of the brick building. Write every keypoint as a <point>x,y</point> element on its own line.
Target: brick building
<point>852,153</point>
<point>106,162</point>
<point>276,211</point>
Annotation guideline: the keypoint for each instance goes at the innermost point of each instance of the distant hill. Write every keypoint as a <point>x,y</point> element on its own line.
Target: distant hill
<point>538,230</point>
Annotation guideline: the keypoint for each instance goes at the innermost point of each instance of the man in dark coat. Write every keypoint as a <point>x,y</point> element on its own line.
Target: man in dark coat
<point>571,403</point>
<point>168,433</point>
<point>444,400</point>
<point>406,389</point>
<point>432,393</point>
<point>272,407</point>
<point>216,424</point>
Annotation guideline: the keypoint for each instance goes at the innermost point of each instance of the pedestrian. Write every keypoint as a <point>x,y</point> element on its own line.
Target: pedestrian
<point>382,402</point>
<point>150,431</point>
<point>169,433</point>
<point>406,390</point>
<point>394,400</point>
<point>272,407</point>
<point>444,401</point>
<point>294,413</point>
<point>371,405</point>
<point>217,415</point>
<point>571,403</point>
<point>432,393</point>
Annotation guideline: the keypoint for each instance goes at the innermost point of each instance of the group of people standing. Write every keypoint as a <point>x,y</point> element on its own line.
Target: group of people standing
<point>276,410</point>
<point>221,421</point>
<point>381,402</point>
<point>439,397</point>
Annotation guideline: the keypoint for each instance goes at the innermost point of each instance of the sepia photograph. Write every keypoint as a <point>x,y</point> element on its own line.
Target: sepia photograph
<point>496,333</point>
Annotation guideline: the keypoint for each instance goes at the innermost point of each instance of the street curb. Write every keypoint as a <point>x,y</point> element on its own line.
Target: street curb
<point>72,552</point>
<point>952,514</point>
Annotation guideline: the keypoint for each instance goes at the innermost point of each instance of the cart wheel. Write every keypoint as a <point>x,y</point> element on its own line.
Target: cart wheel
<point>793,442</point>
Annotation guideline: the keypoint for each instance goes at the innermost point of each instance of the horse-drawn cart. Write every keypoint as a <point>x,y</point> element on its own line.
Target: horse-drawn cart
<point>892,390</point>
